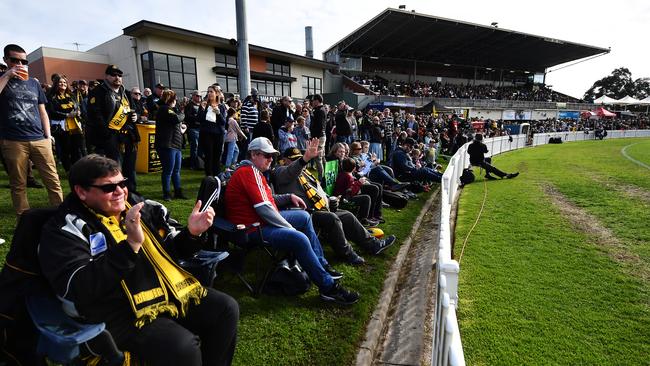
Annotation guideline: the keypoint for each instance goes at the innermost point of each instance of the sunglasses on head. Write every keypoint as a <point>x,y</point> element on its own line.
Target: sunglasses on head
<point>110,187</point>
<point>18,60</point>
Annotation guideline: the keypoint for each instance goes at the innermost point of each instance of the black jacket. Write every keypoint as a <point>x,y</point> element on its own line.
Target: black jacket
<point>89,283</point>
<point>342,125</point>
<point>192,115</point>
<point>103,103</point>
<point>213,128</point>
<point>279,117</point>
<point>476,151</point>
<point>318,122</point>
<point>168,128</point>
<point>263,129</point>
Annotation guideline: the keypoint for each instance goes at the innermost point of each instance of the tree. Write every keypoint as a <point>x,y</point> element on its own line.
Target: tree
<point>617,85</point>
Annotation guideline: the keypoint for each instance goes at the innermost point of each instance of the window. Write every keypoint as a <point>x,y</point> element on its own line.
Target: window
<point>224,58</point>
<point>272,88</point>
<point>278,67</point>
<point>311,85</point>
<point>228,84</point>
<point>173,71</point>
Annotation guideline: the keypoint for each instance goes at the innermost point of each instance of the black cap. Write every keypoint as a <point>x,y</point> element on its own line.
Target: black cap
<point>410,141</point>
<point>82,82</point>
<point>292,153</point>
<point>160,86</point>
<point>478,137</point>
<point>113,69</point>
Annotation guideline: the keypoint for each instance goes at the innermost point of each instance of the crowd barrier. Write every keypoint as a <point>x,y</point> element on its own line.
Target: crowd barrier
<point>447,348</point>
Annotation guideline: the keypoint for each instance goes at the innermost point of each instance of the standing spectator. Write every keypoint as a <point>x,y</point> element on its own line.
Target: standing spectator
<point>387,122</point>
<point>146,93</point>
<point>25,130</point>
<point>153,100</point>
<point>281,112</point>
<point>250,113</point>
<point>193,128</point>
<point>376,138</point>
<point>234,134</point>
<point>343,128</point>
<point>263,127</point>
<point>64,113</point>
<point>212,117</point>
<point>317,130</point>
<point>169,140</point>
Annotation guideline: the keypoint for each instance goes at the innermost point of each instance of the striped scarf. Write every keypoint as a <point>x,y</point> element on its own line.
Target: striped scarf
<point>308,183</point>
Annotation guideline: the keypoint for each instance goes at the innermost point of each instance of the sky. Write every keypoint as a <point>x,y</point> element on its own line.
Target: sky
<point>621,25</point>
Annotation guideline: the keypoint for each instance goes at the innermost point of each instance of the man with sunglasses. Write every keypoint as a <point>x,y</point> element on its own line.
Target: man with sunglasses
<point>250,200</point>
<point>110,257</point>
<point>25,130</point>
<point>111,123</point>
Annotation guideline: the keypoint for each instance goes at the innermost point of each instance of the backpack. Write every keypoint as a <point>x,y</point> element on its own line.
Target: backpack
<point>396,200</point>
<point>288,279</point>
<point>467,177</point>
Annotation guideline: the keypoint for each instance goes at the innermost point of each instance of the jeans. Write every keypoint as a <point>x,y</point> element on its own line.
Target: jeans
<point>17,156</point>
<point>347,139</point>
<point>424,174</point>
<point>232,153</point>
<point>170,160</point>
<point>379,175</point>
<point>303,242</point>
<point>193,138</point>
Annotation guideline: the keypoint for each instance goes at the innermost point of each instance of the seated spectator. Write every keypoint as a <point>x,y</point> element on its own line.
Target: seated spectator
<point>249,200</point>
<point>367,196</point>
<point>477,150</point>
<point>373,170</point>
<point>406,170</point>
<point>335,225</point>
<point>107,257</point>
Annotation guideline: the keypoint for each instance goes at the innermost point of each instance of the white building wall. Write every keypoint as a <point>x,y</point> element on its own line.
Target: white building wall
<point>298,71</point>
<point>120,53</point>
<point>486,113</point>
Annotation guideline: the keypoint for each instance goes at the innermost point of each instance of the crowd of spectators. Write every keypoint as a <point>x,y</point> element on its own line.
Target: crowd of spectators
<point>538,93</point>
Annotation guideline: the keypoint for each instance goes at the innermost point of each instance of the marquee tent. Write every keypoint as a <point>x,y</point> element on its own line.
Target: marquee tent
<point>605,100</point>
<point>628,100</point>
<point>602,112</point>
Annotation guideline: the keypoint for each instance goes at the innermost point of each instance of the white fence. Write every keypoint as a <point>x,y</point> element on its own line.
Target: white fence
<point>447,346</point>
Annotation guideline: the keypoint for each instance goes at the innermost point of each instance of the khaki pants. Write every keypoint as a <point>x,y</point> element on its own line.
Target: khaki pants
<point>321,156</point>
<point>17,155</point>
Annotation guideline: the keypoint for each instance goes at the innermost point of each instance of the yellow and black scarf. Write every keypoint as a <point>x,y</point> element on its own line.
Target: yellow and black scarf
<point>148,288</point>
<point>121,115</point>
<point>309,184</point>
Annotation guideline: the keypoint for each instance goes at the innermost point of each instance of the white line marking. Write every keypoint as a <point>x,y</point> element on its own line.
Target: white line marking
<point>624,152</point>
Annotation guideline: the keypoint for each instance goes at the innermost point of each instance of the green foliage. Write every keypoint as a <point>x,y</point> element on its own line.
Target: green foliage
<point>535,289</point>
<point>618,85</point>
<point>276,330</point>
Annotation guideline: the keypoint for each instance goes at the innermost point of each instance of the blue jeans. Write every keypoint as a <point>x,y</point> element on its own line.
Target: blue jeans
<point>303,243</point>
<point>193,138</point>
<point>424,174</point>
<point>347,139</point>
<point>378,174</point>
<point>170,159</point>
<point>232,153</point>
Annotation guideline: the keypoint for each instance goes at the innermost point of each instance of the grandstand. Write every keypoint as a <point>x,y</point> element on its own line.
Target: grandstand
<point>402,56</point>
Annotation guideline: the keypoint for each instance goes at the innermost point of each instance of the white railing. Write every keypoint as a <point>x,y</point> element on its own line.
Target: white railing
<point>447,348</point>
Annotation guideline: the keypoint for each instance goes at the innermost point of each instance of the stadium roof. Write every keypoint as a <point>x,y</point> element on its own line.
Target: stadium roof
<point>405,35</point>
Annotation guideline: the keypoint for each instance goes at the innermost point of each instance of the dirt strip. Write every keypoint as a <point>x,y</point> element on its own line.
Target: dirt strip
<point>628,190</point>
<point>601,235</point>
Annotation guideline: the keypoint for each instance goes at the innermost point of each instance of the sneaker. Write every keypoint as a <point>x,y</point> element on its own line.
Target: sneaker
<point>489,177</point>
<point>512,175</point>
<point>355,259</point>
<point>381,244</point>
<point>339,295</point>
<point>384,204</point>
<point>166,196</point>
<point>336,275</point>
<point>398,186</point>
<point>379,219</point>
<point>369,222</point>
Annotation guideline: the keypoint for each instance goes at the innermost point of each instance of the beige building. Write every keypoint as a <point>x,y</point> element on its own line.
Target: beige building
<point>184,60</point>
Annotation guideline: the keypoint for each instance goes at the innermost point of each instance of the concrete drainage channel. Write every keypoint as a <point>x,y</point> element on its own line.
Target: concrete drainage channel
<point>399,331</point>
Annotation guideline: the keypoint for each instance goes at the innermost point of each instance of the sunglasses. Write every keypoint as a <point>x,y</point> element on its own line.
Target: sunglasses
<point>16,60</point>
<point>266,155</point>
<point>110,187</point>
<point>136,93</point>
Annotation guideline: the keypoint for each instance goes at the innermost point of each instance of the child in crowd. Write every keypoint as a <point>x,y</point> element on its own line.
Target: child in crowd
<point>286,137</point>
<point>302,133</point>
<point>361,192</point>
<point>233,135</point>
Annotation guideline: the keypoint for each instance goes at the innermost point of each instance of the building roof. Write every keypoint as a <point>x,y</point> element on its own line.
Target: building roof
<point>405,35</point>
<point>146,27</point>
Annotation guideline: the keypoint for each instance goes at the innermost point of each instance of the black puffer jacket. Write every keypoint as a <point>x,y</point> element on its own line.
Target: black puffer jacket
<point>168,128</point>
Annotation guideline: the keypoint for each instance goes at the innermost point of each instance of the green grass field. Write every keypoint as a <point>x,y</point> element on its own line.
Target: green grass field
<point>275,330</point>
<point>557,271</point>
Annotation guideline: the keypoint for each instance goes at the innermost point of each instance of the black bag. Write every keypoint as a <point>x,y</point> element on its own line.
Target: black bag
<point>288,279</point>
<point>555,140</point>
<point>396,200</point>
<point>467,177</point>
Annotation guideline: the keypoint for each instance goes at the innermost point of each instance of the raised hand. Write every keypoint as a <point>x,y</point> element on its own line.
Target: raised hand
<point>198,222</point>
<point>312,149</point>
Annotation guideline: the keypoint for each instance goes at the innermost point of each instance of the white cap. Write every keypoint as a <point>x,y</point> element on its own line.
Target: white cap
<point>262,144</point>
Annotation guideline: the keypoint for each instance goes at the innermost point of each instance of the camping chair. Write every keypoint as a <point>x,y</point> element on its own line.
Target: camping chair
<point>245,239</point>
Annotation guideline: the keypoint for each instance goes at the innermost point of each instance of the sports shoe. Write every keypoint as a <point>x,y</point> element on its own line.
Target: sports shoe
<point>355,259</point>
<point>339,295</point>
<point>489,177</point>
<point>381,244</point>
<point>399,186</point>
<point>512,175</point>
<point>336,275</point>
<point>369,222</point>
<point>379,219</point>
<point>33,183</point>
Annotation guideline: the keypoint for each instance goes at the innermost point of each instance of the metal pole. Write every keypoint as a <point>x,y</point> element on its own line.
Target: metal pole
<point>243,61</point>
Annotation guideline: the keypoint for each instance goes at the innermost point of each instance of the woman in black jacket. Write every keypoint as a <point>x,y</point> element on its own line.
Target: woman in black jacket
<point>169,140</point>
<point>212,117</point>
<point>64,113</point>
